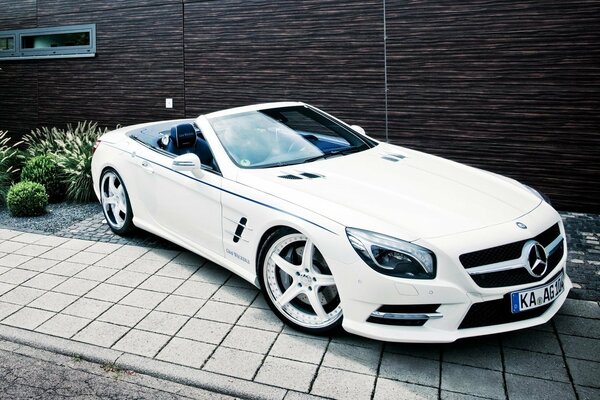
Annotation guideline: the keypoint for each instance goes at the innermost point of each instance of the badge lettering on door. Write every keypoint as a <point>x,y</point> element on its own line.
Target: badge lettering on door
<point>238,256</point>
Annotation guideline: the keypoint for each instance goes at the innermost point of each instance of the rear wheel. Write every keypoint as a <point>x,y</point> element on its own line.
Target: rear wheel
<point>298,284</point>
<point>115,203</point>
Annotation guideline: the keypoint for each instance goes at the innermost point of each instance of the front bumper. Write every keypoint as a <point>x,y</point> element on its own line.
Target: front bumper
<point>445,329</point>
<point>452,293</point>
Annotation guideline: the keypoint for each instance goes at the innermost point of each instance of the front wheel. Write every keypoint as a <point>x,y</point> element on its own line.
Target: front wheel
<point>298,284</point>
<point>115,203</point>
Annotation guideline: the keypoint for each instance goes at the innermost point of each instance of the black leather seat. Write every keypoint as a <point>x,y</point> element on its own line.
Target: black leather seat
<point>184,139</point>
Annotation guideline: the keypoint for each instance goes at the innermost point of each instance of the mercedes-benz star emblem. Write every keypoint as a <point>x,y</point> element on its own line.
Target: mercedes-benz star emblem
<point>521,225</point>
<point>537,259</point>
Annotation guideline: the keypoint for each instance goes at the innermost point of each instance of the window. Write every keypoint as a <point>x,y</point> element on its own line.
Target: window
<point>55,42</point>
<point>7,45</point>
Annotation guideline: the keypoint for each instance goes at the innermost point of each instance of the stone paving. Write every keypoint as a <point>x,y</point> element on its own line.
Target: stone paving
<point>30,373</point>
<point>170,308</point>
<point>583,238</point>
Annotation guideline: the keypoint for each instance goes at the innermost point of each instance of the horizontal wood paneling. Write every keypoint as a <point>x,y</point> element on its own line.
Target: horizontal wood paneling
<point>136,67</point>
<point>54,7</point>
<point>18,97</point>
<point>510,87</point>
<point>18,14</point>
<point>327,53</point>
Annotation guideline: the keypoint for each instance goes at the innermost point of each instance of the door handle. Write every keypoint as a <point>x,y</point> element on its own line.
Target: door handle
<point>146,166</point>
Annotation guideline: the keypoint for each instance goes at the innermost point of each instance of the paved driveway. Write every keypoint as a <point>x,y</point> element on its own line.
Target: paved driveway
<point>172,314</point>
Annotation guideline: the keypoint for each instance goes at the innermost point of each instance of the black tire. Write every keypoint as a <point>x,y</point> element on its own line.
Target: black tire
<point>333,328</point>
<point>125,227</point>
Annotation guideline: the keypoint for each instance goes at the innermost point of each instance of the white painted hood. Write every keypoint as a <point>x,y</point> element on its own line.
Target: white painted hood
<point>419,196</point>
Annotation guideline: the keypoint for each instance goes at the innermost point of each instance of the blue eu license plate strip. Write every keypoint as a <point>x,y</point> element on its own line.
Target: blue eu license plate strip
<point>538,296</point>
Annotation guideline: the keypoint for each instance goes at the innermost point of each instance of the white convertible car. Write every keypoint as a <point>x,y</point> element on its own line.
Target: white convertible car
<point>336,228</point>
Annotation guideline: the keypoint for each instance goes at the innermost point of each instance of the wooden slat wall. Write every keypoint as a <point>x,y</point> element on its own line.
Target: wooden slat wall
<point>325,52</point>
<point>512,87</point>
<point>58,7</point>
<point>136,67</point>
<point>18,80</point>
<point>18,98</point>
<point>18,14</point>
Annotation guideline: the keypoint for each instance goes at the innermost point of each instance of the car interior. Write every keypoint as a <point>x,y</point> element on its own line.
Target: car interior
<point>180,139</point>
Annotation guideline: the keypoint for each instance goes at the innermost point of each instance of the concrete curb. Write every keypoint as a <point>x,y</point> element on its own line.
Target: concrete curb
<point>163,370</point>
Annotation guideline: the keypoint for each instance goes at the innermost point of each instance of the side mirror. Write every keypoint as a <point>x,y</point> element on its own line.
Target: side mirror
<point>188,162</point>
<point>359,129</point>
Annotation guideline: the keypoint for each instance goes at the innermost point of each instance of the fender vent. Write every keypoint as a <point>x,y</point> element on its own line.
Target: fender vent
<point>240,229</point>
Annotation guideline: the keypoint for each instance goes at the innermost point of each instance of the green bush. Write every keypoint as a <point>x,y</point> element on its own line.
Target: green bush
<point>46,171</point>
<point>73,151</point>
<point>27,199</point>
<point>8,160</point>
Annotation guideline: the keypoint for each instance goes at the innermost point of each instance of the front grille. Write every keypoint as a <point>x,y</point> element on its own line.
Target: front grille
<point>512,251</point>
<point>497,312</point>
<point>519,276</point>
<point>506,252</point>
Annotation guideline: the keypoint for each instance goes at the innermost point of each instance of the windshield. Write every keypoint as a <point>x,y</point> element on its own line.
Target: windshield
<point>283,136</point>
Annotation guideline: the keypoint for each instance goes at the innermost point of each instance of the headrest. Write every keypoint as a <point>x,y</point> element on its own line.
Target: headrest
<point>183,135</point>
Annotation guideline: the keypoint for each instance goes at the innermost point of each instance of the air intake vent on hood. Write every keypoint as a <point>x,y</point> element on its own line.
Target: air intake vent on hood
<point>311,175</point>
<point>393,157</point>
<point>301,175</point>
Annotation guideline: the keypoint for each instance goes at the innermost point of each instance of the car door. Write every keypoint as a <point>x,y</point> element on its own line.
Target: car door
<point>188,206</point>
<point>140,181</point>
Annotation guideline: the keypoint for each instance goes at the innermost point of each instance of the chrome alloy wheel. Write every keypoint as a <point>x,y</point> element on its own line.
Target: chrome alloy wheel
<point>300,284</point>
<point>114,200</point>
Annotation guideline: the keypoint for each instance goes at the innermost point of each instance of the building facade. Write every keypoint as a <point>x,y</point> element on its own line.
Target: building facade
<point>511,87</point>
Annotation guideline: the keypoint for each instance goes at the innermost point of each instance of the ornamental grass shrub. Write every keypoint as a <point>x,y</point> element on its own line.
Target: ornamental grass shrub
<point>26,199</point>
<point>8,161</point>
<point>72,149</point>
<point>45,171</point>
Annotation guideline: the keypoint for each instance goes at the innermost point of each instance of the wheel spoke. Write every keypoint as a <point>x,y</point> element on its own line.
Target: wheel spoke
<point>117,214</point>
<point>290,294</point>
<point>315,302</point>
<point>112,184</point>
<point>285,265</point>
<point>324,280</point>
<point>109,200</point>
<point>307,255</point>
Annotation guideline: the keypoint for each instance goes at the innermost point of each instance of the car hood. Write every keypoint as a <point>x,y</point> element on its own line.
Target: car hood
<point>397,191</point>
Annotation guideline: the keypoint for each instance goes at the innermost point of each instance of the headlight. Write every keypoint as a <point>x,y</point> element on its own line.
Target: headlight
<point>393,257</point>
<point>540,195</point>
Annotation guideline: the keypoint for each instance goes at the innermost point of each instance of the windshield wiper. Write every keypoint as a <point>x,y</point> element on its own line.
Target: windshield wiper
<point>334,153</point>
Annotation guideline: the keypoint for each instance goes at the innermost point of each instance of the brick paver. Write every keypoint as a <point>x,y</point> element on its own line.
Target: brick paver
<point>173,306</point>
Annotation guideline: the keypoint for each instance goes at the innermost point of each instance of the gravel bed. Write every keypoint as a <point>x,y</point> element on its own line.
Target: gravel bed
<point>58,217</point>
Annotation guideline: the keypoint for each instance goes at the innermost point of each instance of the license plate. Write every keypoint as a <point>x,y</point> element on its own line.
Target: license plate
<point>537,297</point>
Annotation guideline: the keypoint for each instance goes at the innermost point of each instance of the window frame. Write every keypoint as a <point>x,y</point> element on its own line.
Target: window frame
<point>8,52</point>
<point>20,53</point>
